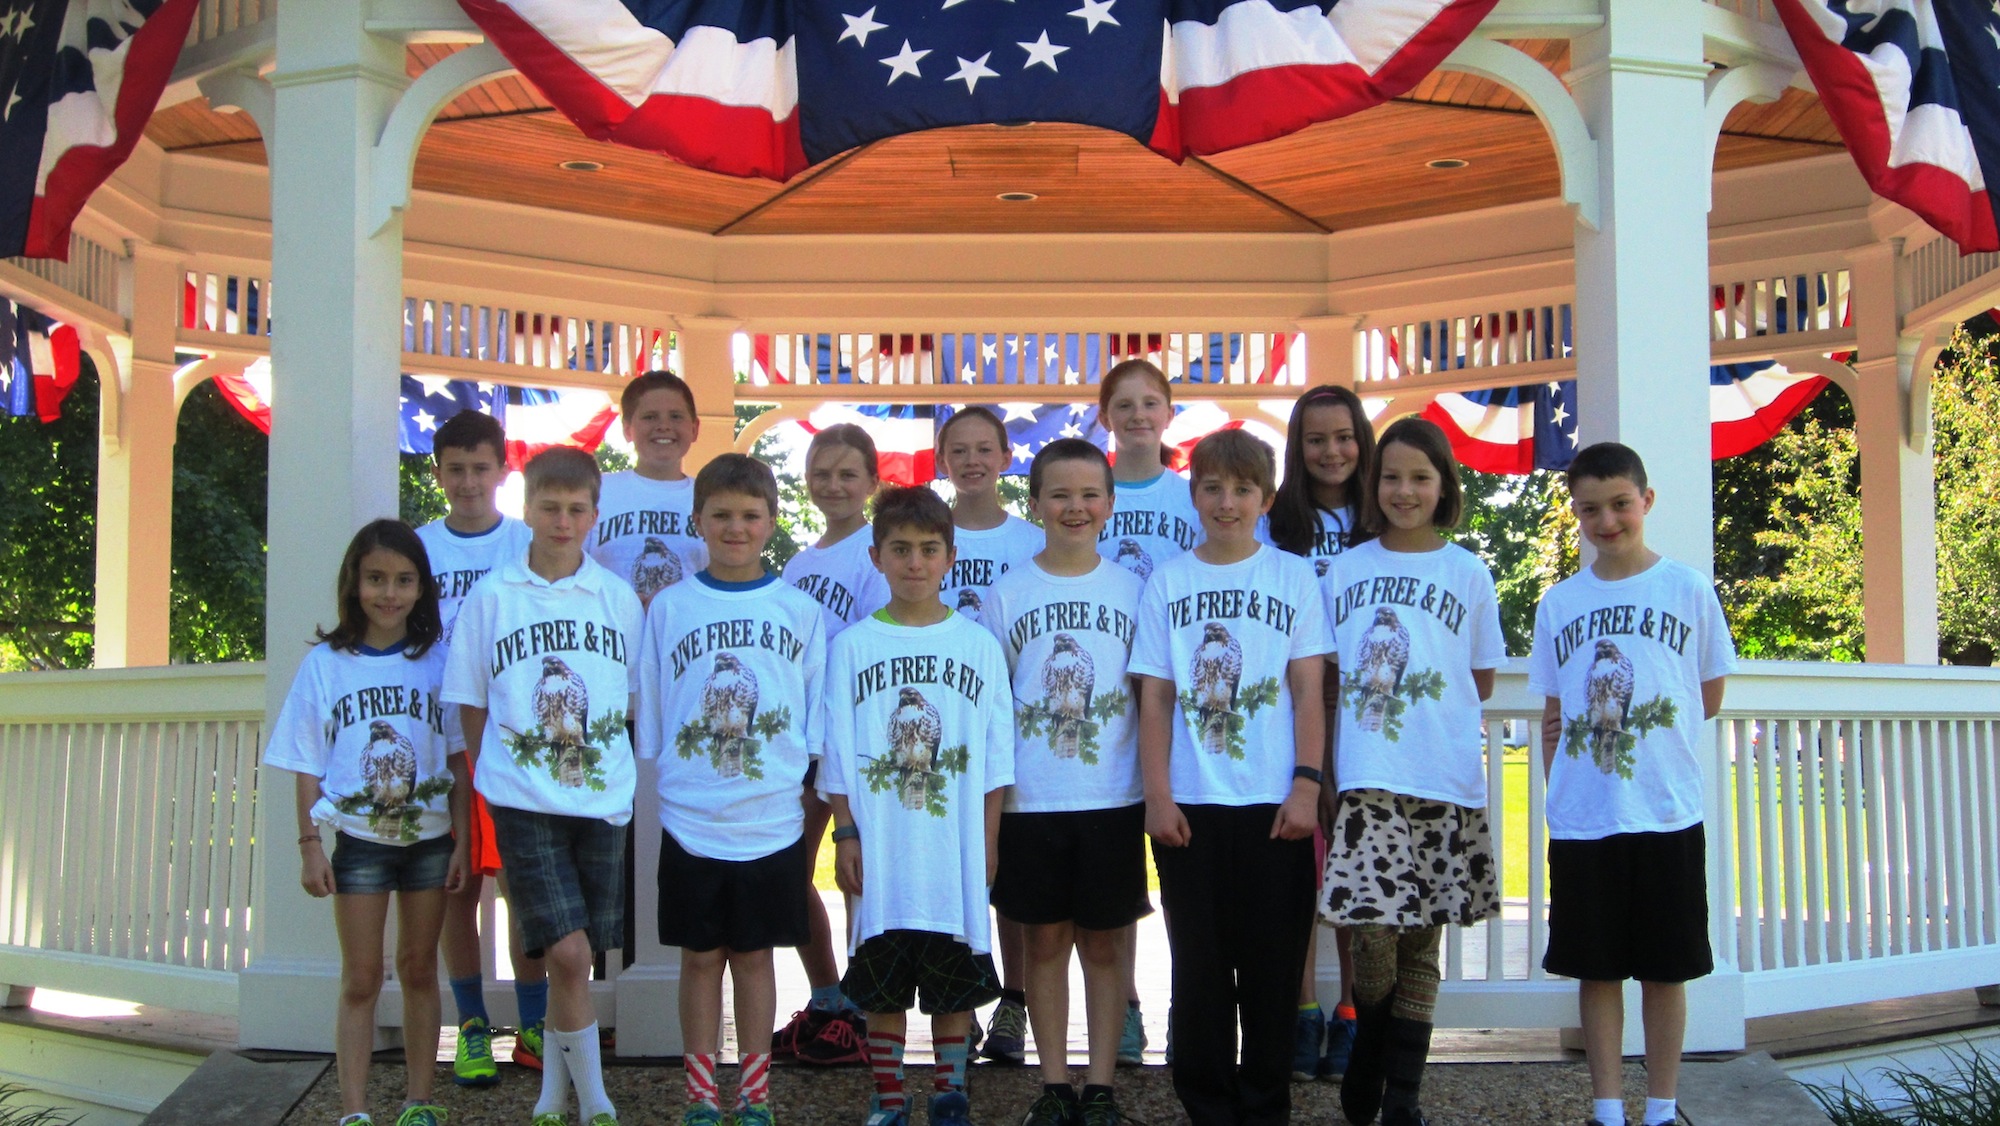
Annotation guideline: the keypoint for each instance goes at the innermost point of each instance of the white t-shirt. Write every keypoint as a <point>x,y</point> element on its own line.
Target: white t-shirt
<point>1150,524</point>
<point>1225,636</point>
<point>642,533</point>
<point>371,728</point>
<point>552,663</point>
<point>1068,640</point>
<point>1409,627</point>
<point>729,707</point>
<point>984,556</point>
<point>459,560</point>
<point>842,579</point>
<point>1627,659</point>
<point>1331,541</point>
<point>918,731</point>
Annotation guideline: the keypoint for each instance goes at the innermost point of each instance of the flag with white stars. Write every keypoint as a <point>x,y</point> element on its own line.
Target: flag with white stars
<point>1914,88</point>
<point>1031,426</point>
<point>78,81</point>
<point>770,87</point>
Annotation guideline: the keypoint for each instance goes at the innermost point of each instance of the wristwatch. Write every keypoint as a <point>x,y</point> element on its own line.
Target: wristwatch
<point>1309,773</point>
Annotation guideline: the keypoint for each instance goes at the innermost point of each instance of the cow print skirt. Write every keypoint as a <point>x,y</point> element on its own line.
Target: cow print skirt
<point>1398,861</point>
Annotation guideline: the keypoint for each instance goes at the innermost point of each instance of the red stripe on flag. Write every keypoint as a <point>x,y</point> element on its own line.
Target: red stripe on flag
<point>238,393</point>
<point>1474,453</point>
<point>53,386</point>
<point>587,438</point>
<point>1727,439</point>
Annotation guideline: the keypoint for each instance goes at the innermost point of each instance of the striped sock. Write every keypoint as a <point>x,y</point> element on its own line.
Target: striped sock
<point>701,1088</point>
<point>885,1060</point>
<point>753,1083</point>
<point>952,1052</point>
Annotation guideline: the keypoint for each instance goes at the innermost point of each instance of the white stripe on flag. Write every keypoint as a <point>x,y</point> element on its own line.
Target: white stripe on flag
<point>1253,35</point>
<point>635,61</point>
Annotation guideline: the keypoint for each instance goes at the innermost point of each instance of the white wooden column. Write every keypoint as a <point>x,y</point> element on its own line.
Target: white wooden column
<point>1330,348</point>
<point>135,473</point>
<point>336,284</point>
<point>1898,500</point>
<point>1642,337</point>
<point>710,370</point>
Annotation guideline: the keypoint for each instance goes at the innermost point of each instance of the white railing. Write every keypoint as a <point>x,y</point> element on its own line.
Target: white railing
<point>214,19</point>
<point>1232,357</point>
<point>440,327</point>
<point>1937,269</point>
<point>95,272</point>
<point>1404,350</point>
<point>126,851</point>
<point>224,301</point>
<point>1746,306</point>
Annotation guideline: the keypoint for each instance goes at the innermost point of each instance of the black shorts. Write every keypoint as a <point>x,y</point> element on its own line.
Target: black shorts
<point>741,904</point>
<point>1632,905</point>
<point>888,972</point>
<point>564,874</point>
<point>1086,867</point>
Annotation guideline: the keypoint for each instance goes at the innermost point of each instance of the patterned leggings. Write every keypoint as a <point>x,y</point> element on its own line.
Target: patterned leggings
<point>1401,958</point>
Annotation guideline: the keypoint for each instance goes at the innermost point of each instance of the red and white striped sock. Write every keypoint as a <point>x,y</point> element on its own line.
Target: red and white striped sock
<point>952,1055</point>
<point>753,1085</point>
<point>885,1060</point>
<point>701,1079</point>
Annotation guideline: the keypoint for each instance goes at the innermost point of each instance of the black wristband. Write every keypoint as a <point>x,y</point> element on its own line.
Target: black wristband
<point>846,833</point>
<point>1309,773</point>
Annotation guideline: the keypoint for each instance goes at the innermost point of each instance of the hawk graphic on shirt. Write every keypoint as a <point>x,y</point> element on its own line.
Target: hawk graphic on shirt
<point>656,569</point>
<point>562,707</point>
<point>728,706</point>
<point>1068,678</point>
<point>1379,662</point>
<point>1216,673</point>
<point>1320,567</point>
<point>388,768</point>
<point>1607,701</point>
<point>915,732</point>
<point>1133,558</point>
<point>968,600</point>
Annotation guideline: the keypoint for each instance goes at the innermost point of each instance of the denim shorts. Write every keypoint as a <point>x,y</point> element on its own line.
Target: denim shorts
<point>365,867</point>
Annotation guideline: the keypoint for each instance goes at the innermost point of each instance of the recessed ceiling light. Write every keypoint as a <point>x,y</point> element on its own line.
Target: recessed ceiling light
<point>581,166</point>
<point>1017,197</point>
<point>1446,162</point>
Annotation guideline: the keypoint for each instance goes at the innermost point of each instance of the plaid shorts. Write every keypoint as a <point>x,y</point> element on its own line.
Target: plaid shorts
<point>564,874</point>
<point>887,971</point>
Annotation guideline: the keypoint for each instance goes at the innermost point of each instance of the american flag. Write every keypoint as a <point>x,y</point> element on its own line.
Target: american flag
<point>40,364</point>
<point>1914,88</point>
<point>78,81</point>
<point>770,87</point>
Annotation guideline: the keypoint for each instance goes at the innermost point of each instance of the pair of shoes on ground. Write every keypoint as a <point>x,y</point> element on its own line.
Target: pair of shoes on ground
<point>822,1038</point>
<point>755,1114</point>
<point>1322,1047</point>
<point>603,1119</point>
<point>1050,1108</point>
<point>473,1064</point>
<point>1132,1039</point>
<point>422,1114</point>
<point>948,1108</point>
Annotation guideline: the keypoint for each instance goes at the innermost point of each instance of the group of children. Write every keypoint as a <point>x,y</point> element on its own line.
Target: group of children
<point>1279,684</point>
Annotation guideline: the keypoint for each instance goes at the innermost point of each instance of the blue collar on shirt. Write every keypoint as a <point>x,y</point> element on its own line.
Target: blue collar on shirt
<point>474,535</point>
<point>713,583</point>
<point>391,651</point>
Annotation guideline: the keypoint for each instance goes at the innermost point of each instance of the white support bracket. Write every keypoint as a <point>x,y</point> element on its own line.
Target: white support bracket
<point>395,157</point>
<point>1576,149</point>
<point>247,91</point>
<point>1818,363</point>
<point>1916,362</point>
<point>1758,82</point>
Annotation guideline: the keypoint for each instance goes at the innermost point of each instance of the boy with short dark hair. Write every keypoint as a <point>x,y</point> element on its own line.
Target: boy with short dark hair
<point>541,668</point>
<point>645,531</point>
<point>1231,647</point>
<point>729,707</point>
<point>919,745</point>
<point>469,461</point>
<point>1630,655</point>
<point>1072,837</point>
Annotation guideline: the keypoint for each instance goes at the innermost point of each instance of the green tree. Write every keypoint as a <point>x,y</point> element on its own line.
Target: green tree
<point>220,487</point>
<point>1965,402</point>
<point>48,534</point>
<point>1506,523</point>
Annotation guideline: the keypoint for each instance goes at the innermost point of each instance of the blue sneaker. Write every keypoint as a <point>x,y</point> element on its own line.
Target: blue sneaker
<point>1305,1045</point>
<point>952,1108</point>
<point>887,1117</point>
<point>1007,1039</point>
<point>1132,1039</point>
<point>1339,1046</point>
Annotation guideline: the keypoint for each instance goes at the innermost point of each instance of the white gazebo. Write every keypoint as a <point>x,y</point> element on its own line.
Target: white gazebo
<point>331,167</point>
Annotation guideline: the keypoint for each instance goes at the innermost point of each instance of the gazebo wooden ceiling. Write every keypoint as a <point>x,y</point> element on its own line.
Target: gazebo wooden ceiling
<point>502,141</point>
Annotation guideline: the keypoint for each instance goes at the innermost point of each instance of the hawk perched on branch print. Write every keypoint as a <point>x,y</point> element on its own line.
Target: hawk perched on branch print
<point>728,706</point>
<point>1216,672</point>
<point>1069,676</point>
<point>1133,558</point>
<point>656,569</point>
<point>968,601</point>
<point>1607,701</point>
<point>388,767</point>
<point>1379,662</point>
<point>915,732</point>
<point>562,707</point>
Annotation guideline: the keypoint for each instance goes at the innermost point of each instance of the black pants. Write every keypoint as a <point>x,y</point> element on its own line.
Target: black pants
<point>1239,906</point>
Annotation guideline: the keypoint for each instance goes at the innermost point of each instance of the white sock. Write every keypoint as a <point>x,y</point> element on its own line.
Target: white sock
<point>586,1071</point>
<point>1610,1112</point>
<point>1661,1110</point>
<point>555,1081</point>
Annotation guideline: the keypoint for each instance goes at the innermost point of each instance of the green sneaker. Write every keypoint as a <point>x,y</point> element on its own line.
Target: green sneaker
<point>702,1114</point>
<point>528,1046</point>
<point>474,1066</point>
<point>604,1118</point>
<point>357,1120</point>
<point>550,1120</point>
<point>752,1114</point>
<point>423,1114</point>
